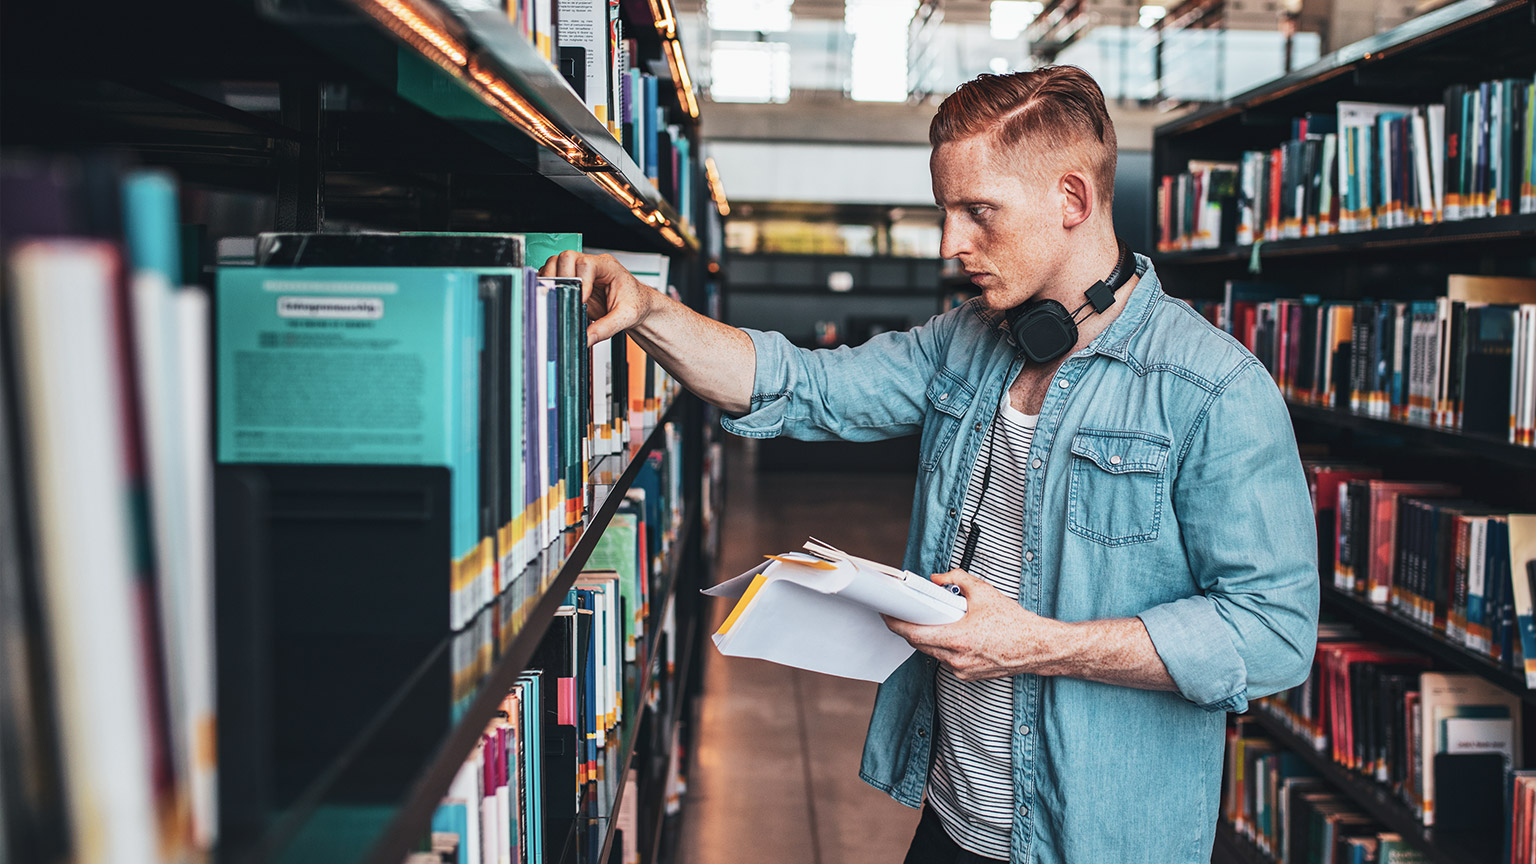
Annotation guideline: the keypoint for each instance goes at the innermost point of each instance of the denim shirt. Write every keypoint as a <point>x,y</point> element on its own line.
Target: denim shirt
<point>1163,483</point>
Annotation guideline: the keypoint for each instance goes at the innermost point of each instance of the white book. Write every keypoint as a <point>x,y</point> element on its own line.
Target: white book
<point>1435,121</point>
<point>1477,533</point>
<point>1425,202</point>
<point>1529,378</point>
<point>1445,696</point>
<point>1442,363</point>
<point>585,24</point>
<point>820,610</point>
<point>1478,735</point>
<point>1517,373</point>
<point>72,406</point>
<point>194,331</point>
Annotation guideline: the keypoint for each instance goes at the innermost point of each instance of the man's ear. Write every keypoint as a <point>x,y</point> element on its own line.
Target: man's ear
<point>1076,199</point>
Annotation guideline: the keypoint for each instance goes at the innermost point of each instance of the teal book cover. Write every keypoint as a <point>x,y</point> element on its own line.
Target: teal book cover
<point>542,247</point>
<point>353,365</point>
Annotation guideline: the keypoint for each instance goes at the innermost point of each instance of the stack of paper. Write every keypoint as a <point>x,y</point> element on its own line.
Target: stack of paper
<point>820,610</point>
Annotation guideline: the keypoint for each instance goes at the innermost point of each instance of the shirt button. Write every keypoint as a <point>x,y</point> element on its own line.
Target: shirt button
<point>1114,460</point>
<point>951,512</point>
<point>1029,555</point>
<point>943,396</point>
<point>1036,463</point>
<point>977,427</point>
<point>1065,385</point>
<point>922,733</point>
<point>1024,811</point>
<point>1024,730</point>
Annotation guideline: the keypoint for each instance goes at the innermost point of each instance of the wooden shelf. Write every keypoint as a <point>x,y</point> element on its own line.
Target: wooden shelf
<point>1488,447</point>
<point>1381,805</point>
<point>1399,630</point>
<point>1520,227</point>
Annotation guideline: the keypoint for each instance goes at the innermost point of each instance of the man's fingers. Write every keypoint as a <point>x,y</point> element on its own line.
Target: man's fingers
<point>617,319</point>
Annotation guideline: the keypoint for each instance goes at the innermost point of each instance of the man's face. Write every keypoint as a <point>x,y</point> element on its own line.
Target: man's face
<point>1001,218</point>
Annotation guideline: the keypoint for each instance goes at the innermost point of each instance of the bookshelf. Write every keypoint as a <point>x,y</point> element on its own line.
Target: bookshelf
<point>1438,847</point>
<point>1465,42</point>
<point>418,115</point>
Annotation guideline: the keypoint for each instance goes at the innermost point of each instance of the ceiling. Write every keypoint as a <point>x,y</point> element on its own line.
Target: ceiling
<point>955,11</point>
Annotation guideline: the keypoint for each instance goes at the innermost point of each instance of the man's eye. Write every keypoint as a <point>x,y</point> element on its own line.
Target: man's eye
<point>977,209</point>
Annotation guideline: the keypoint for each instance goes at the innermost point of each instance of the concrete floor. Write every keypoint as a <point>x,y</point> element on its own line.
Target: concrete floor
<point>775,773</point>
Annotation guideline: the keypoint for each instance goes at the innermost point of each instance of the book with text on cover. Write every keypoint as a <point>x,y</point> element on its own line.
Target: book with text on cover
<point>820,610</point>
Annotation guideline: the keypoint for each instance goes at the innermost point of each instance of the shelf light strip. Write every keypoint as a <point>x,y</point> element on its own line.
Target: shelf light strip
<point>666,26</point>
<point>400,18</point>
<point>716,188</point>
<point>406,23</point>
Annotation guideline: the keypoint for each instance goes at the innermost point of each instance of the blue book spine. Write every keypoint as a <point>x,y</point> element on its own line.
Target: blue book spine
<point>149,223</point>
<point>651,114</point>
<point>552,407</point>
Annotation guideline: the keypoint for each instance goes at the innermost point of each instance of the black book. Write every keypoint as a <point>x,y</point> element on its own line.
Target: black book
<point>1454,182</point>
<point>389,250</point>
<point>1487,369</point>
<point>564,766</point>
<point>1458,339</point>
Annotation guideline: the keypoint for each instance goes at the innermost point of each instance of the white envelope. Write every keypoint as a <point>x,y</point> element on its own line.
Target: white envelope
<point>825,617</point>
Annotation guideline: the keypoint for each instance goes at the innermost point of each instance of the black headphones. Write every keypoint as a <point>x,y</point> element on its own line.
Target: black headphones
<point>1046,330</point>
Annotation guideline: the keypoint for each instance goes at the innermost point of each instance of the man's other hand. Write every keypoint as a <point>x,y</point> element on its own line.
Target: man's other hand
<point>616,301</point>
<point>997,638</point>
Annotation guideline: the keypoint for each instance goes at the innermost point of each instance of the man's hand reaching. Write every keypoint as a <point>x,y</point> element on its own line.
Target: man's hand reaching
<point>616,301</point>
<point>717,362</point>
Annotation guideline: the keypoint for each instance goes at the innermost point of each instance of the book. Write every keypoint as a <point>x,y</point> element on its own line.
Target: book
<point>69,324</point>
<point>820,609</point>
<point>1453,695</point>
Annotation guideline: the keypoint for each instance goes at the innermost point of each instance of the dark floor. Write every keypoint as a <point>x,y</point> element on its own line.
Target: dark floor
<point>775,773</point>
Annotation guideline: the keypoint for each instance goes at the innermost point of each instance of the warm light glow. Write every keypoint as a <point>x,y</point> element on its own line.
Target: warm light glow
<point>673,237</point>
<point>666,21</point>
<point>681,77</point>
<point>529,119</point>
<point>619,191</point>
<point>716,188</point>
<point>417,30</point>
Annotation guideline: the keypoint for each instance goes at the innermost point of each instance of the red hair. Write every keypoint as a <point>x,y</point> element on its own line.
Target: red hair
<point>1055,107</point>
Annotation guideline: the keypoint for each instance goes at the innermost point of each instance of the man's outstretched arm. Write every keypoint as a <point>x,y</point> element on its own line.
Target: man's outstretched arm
<point>714,360</point>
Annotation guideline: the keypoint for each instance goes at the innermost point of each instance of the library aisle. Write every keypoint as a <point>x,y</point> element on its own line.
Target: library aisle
<point>775,773</point>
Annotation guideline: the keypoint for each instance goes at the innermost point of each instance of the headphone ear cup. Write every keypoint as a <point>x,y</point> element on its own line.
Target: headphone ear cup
<point>1044,329</point>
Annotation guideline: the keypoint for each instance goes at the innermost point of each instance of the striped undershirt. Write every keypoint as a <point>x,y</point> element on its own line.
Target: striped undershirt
<point>970,782</point>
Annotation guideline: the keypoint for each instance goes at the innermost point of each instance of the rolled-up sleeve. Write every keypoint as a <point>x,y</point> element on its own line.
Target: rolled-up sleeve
<point>1251,541</point>
<point>866,393</point>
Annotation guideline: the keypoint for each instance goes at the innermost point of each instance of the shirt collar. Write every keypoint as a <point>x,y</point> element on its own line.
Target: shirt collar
<point>1116,339</point>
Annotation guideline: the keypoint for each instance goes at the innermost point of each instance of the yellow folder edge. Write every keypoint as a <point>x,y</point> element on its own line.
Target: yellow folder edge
<point>757,582</point>
<point>814,565</point>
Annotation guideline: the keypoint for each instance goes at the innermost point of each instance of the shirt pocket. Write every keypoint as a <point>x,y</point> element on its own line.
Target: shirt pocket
<point>1116,495</point>
<point>949,395</point>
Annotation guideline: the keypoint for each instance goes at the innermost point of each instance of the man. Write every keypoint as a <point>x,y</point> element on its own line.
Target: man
<point>1132,514</point>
